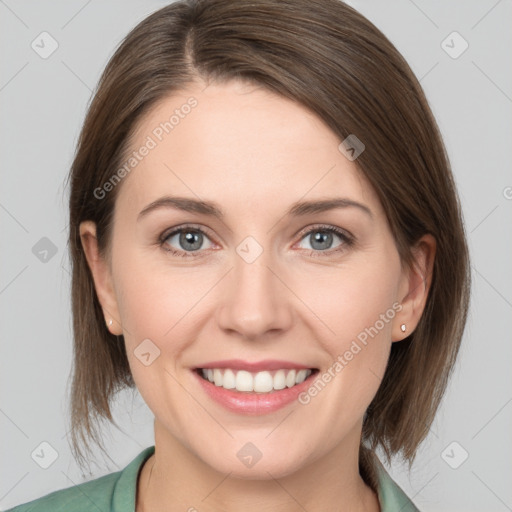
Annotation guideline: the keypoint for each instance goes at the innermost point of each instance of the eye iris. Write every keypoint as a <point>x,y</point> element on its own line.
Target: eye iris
<point>321,237</point>
<point>189,238</point>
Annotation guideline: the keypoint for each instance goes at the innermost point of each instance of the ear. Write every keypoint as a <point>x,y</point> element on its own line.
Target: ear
<point>102,277</point>
<point>414,287</point>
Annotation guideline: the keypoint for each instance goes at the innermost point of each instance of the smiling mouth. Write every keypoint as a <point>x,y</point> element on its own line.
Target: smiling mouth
<point>255,382</point>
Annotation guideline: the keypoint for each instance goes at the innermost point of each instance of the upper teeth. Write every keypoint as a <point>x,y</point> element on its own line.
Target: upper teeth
<point>261,382</point>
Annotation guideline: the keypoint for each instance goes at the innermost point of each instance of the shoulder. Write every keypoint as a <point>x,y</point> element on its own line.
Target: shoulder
<point>102,494</point>
<point>93,495</point>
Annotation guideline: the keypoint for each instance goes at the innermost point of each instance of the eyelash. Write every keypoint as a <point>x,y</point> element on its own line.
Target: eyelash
<point>347,239</point>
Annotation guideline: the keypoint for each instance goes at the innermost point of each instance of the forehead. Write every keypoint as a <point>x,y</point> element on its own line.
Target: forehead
<point>240,144</point>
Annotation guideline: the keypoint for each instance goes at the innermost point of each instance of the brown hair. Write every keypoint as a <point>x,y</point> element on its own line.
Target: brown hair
<point>329,58</point>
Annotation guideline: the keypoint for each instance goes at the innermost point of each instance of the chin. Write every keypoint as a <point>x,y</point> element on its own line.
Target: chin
<point>266,467</point>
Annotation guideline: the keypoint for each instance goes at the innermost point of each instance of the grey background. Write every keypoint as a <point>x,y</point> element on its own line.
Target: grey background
<point>43,102</point>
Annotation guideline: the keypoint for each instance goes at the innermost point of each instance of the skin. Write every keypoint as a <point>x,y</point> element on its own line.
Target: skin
<point>254,154</point>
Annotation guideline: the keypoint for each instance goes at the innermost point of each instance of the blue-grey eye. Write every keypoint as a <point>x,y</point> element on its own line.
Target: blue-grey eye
<point>322,239</point>
<point>188,239</point>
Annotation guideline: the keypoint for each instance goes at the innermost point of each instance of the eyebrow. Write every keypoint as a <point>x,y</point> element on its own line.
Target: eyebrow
<point>212,209</point>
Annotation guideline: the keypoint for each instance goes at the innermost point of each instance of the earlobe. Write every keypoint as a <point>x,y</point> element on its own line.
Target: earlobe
<point>417,279</point>
<point>102,277</point>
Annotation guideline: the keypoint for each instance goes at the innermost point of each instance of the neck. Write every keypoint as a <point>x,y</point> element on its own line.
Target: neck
<point>175,479</point>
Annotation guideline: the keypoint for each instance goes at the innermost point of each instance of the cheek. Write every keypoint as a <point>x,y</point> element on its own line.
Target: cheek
<point>354,309</point>
<point>153,299</point>
<point>349,300</point>
<point>165,306</point>
<point>155,313</point>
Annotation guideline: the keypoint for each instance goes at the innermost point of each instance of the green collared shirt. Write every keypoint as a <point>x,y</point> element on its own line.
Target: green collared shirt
<point>115,492</point>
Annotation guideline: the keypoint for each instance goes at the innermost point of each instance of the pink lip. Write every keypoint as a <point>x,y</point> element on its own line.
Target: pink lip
<point>253,403</point>
<point>267,364</point>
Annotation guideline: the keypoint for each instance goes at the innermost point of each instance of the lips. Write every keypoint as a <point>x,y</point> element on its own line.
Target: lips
<point>254,387</point>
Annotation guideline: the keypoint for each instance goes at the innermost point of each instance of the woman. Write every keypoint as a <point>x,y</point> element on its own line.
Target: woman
<point>267,242</point>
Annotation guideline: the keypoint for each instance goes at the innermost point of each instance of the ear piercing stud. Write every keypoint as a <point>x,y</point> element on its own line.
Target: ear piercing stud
<point>402,327</point>
<point>110,322</point>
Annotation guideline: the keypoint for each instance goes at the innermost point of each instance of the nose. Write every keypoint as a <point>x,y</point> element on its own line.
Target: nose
<point>255,301</point>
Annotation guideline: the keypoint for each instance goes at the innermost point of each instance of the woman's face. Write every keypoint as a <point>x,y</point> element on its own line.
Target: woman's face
<point>251,277</point>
